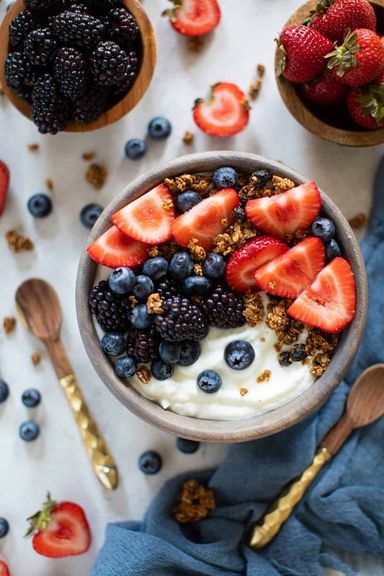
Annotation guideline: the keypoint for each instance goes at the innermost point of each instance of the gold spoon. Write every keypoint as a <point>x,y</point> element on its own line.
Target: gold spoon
<point>365,404</point>
<point>39,309</point>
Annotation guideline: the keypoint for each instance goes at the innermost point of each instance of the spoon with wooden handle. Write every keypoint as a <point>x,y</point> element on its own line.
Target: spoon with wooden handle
<point>39,309</point>
<point>365,404</point>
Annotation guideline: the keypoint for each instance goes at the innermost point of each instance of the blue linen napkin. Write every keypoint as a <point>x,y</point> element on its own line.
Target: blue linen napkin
<point>343,510</point>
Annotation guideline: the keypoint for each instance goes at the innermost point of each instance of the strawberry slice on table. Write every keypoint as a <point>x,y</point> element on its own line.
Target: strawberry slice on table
<point>329,302</point>
<point>4,570</point>
<point>148,219</point>
<point>287,212</point>
<point>4,185</point>
<point>194,17</point>
<point>289,274</point>
<point>224,113</point>
<point>115,249</point>
<point>60,529</point>
<point>242,265</point>
<point>207,219</point>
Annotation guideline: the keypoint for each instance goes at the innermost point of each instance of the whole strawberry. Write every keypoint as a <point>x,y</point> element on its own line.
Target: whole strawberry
<point>359,60</point>
<point>301,52</point>
<point>366,105</point>
<point>324,90</point>
<point>333,18</point>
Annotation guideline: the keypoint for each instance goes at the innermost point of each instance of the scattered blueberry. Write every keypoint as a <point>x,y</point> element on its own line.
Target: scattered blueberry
<point>181,265</point>
<point>159,128</point>
<point>298,353</point>
<point>4,391</point>
<point>187,446</point>
<point>225,177</point>
<point>31,398</point>
<point>285,358</point>
<point>121,280</point>
<point>189,352</point>
<point>156,267</point>
<point>150,462</point>
<point>39,205</point>
<point>170,351</point>
<point>140,317</point>
<point>197,285</point>
<point>239,214</point>
<point>209,381</point>
<point>135,148</point>
<point>162,370</point>
<point>143,287</point>
<point>4,527</point>
<point>214,265</point>
<point>323,228</point>
<point>89,214</point>
<point>113,344</point>
<point>125,367</point>
<point>239,354</point>
<point>187,200</point>
<point>332,249</point>
<point>29,430</point>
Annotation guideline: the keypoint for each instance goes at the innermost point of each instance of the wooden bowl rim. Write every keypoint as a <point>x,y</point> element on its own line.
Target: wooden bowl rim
<point>121,108</point>
<point>227,431</point>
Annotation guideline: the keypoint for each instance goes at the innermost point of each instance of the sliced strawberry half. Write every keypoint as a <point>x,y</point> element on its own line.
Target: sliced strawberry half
<point>329,303</point>
<point>207,219</point>
<point>242,265</point>
<point>287,212</point>
<point>4,185</point>
<point>292,272</point>
<point>224,113</point>
<point>4,570</point>
<point>194,17</point>
<point>115,249</point>
<point>148,218</point>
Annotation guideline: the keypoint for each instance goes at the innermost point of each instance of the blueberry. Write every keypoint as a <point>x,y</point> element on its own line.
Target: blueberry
<point>150,462</point>
<point>125,367</point>
<point>156,267</point>
<point>197,285</point>
<point>239,214</point>
<point>4,527</point>
<point>89,214</point>
<point>39,205</point>
<point>31,398</point>
<point>239,354</point>
<point>113,344</point>
<point>209,381</point>
<point>187,446</point>
<point>29,430</point>
<point>214,265</point>
<point>4,391</point>
<point>170,351</point>
<point>162,370</point>
<point>332,249</point>
<point>140,317</point>
<point>225,177</point>
<point>189,352</point>
<point>298,353</point>
<point>323,228</point>
<point>285,358</point>
<point>181,265</point>
<point>135,148</point>
<point>121,280</point>
<point>159,128</point>
<point>143,287</point>
<point>187,200</point>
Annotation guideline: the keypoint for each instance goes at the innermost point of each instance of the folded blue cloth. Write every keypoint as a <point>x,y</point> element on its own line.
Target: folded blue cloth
<point>343,510</point>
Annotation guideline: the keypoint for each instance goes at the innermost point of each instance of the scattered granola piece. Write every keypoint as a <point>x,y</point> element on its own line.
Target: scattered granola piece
<point>34,147</point>
<point>167,204</point>
<point>358,221</point>
<point>194,502</point>
<point>188,137</point>
<point>9,324</point>
<point>133,300</point>
<point>253,308</point>
<point>282,184</point>
<point>260,70</point>
<point>155,304</point>
<point>254,89</point>
<point>88,156</point>
<point>17,242</point>
<point>198,270</point>
<point>153,251</point>
<point>320,341</point>
<point>49,184</point>
<point>264,376</point>
<point>144,374</point>
<point>262,339</point>
<point>195,44</point>
<point>277,318</point>
<point>319,364</point>
<point>197,252</point>
<point>96,175</point>
<point>36,358</point>
<point>243,391</point>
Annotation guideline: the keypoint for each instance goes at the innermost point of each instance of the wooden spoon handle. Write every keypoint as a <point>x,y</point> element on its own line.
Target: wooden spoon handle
<point>102,461</point>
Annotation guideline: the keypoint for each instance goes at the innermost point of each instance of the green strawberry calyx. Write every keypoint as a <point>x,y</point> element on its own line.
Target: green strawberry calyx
<point>320,8</point>
<point>41,519</point>
<point>371,100</point>
<point>171,12</point>
<point>343,57</point>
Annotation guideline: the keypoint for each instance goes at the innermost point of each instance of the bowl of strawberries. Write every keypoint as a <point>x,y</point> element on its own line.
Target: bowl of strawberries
<point>330,69</point>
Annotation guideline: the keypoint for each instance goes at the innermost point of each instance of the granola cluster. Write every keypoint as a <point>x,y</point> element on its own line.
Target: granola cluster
<point>264,376</point>
<point>235,235</point>
<point>9,324</point>
<point>144,374</point>
<point>17,242</point>
<point>197,182</point>
<point>155,304</point>
<point>194,502</point>
<point>254,311</point>
<point>96,175</point>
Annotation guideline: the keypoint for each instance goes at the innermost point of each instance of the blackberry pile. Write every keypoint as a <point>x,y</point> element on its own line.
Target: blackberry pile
<point>86,54</point>
<point>181,320</point>
<point>223,308</point>
<point>143,345</point>
<point>111,310</point>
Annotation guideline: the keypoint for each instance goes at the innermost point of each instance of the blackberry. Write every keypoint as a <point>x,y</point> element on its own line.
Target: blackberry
<point>109,64</point>
<point>129,77</point>
<point>70,72</point>
<point>40,45</point>
<point>49,109</point>
<point>78,29</point>
<point>181,320</point>
<point>104,5</point>
<point>223,308</point>
<point>88,107</point>
<point>239,214</point>
<point>20,27</point>
<point>167,288</point>
<point>81,8</point>
<point>19,72</point>
<point>122,27</point>
<point>111,310</point>
<point>44,7</point>
<point>143,345</point>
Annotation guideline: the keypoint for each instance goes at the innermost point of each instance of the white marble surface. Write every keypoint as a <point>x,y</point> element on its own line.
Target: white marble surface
<point>56,461</point>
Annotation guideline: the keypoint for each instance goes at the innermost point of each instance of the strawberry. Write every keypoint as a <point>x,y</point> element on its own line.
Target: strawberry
<point>4,570</point>
<point>366,104</point>
<point>224,113</point>
<point>148,219</point>
<point>207,219</point>
<point>194,17</point>
<point>329,302</point>
<point>324,90</point>
<point>359,60</point>
<point>287,212</point>
<point>332,18</point>
<point>4,185</point>
<point>301,52</point>
<point>241,267</point>
<point>115,249</point>
<point>291,273</point>
<point>59,529</point>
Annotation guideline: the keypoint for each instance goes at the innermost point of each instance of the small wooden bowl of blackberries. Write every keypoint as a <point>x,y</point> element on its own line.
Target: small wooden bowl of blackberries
<point>76,65</point>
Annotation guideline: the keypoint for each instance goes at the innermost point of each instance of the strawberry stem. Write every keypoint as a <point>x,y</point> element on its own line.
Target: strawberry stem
<point>171,12</point>
<point>321,7</point>
<point>41,519</point>
<point>372,101</point>
<point>343,57</point>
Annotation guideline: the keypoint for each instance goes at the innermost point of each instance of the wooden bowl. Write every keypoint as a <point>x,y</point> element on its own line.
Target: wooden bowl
<point>147,67</point>
<point>331,124</point>
<point>211,430</point>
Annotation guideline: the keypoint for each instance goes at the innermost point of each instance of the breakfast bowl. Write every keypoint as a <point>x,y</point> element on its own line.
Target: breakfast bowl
<point>211,429</point>
<point>117,105</point>
<point>331,123</point>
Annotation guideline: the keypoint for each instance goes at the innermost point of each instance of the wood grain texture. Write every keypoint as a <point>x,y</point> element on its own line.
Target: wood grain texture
<point>210,430</point>
<point>120,109</point>
<point>316,120</point>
